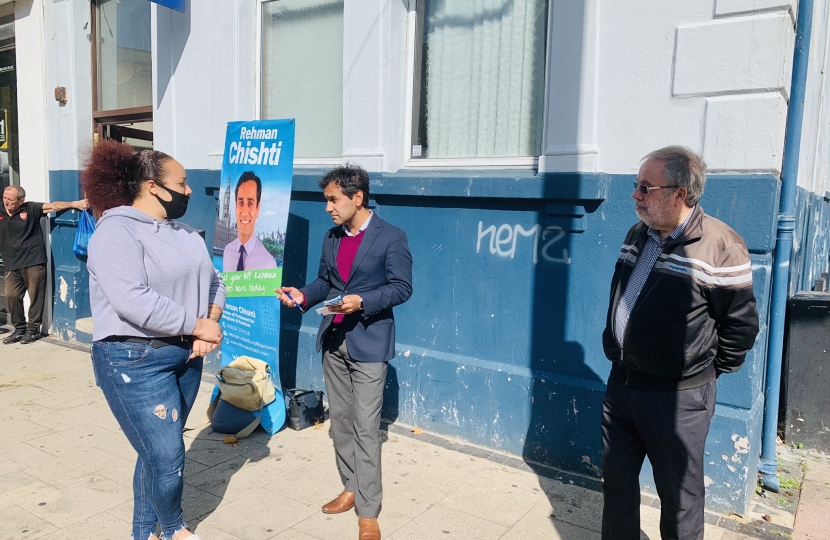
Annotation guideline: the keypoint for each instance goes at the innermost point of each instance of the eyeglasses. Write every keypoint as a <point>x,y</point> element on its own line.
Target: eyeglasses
<point>645,190</point>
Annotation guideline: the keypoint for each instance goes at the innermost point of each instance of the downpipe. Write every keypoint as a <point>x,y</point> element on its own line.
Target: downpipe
<point>768,466</point>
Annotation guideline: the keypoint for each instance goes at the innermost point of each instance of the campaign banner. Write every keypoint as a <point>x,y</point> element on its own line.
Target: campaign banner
<point>249,242</point>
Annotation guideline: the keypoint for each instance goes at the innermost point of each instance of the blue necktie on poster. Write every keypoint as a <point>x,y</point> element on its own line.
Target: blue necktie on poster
<point>178,5</point>
<point>249,241</point>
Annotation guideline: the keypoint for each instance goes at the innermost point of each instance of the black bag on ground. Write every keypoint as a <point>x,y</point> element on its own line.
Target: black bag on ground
<point>305,408</point>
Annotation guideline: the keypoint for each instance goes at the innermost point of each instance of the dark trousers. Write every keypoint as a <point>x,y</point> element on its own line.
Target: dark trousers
<point>670,427</point>
<point>355,392</point>
<point>31,279</point>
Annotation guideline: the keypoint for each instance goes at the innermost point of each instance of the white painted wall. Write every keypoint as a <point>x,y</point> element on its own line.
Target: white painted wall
<point>624,78</point>
<point>814,161</point>
<point>374,53</point>
<point>204,76</point>
<point>32,98</point>
<point>205,66</point>
<point>571,109</point>
<point>52,50</point>
<point>68,64</point>
<point>374,74</point>
<point>681,73</point>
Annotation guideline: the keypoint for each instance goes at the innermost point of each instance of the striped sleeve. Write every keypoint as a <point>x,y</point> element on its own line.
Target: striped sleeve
<point>735,271</point>
<point>732,306</point>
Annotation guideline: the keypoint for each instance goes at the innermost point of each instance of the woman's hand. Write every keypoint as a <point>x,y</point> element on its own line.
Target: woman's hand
<point>201,348</point>
<point>214,312</point>
<point>208,330</point>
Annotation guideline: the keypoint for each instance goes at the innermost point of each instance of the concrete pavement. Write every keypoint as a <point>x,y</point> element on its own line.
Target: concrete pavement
<point>66,472</point>
<point>812,521</point>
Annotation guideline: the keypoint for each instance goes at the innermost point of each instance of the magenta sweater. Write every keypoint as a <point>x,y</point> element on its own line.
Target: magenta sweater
<point>345,257</point>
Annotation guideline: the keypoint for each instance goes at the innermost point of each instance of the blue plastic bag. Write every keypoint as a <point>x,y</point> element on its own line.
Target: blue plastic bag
<point>86,226</point>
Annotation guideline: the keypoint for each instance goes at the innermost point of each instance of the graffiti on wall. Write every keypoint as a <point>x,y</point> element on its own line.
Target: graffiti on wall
<point>504,239</point>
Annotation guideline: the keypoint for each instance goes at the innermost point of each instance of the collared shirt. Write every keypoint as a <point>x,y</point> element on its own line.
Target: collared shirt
<point>642,268</point>
<point>21,237</point>
<point>362,227</point>
<point>256,256</point>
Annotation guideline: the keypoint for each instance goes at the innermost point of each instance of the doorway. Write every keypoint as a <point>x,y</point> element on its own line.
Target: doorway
<point>122,90</point>
<point>9,151</point>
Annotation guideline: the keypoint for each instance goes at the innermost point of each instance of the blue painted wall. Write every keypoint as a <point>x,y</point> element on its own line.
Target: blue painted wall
<point>811,242</point>
<point>70,279</point>
<point>500,343</point>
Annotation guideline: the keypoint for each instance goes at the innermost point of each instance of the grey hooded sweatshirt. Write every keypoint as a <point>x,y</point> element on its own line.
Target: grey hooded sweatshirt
<point>148,278</point>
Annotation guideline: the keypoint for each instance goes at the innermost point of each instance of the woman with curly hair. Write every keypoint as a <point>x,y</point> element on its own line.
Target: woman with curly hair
<point>156,301</point>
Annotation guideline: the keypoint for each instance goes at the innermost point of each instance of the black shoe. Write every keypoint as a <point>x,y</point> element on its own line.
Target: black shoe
<point>16,336</point>
<point>30,337</point>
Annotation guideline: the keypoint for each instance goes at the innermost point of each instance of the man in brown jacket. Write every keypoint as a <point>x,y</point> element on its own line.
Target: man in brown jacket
<point>681,313</point>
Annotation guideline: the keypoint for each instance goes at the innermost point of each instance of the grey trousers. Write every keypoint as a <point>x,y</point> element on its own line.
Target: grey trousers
<point>355,391</point>
<point>670,427</point>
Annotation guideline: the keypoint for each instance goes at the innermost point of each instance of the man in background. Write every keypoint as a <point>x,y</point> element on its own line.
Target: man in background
<point>24,259</point>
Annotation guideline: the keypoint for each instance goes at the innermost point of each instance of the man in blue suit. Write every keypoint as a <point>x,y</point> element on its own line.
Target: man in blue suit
<point>367,260</point>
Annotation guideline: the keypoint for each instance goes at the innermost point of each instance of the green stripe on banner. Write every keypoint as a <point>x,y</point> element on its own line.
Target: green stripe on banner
<point>252,282</point>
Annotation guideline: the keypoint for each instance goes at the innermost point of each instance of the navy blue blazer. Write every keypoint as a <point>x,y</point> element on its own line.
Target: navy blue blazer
<point>382,276</point>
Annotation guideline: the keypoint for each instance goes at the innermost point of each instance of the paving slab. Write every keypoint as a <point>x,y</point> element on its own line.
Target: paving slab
<point>493,500</point>
<point>22,525</point>
<point>335,527</point>
<point>73,466</point>
<point>538,527</point>
<point>260,516</point>
<point>70,504</point>
<point>66,471</point>
<point>412,495</point>
<point>18,486</point>
<point>443,522</point>
<point>102,524</point>
<point>817,471</point>
<point>811,521</point>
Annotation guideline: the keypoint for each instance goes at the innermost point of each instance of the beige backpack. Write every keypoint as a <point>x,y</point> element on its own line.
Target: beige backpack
<point>245,383</point>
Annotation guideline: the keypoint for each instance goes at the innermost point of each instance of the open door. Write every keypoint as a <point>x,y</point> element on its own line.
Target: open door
<point>9,152</point>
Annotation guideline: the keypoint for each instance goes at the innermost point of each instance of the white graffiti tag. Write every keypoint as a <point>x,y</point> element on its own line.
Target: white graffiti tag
<point>503,241</point>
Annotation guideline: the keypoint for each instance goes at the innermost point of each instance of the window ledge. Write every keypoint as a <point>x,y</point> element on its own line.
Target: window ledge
<point>515,183</point>
<point>316,163</point>
<point>473,163</point>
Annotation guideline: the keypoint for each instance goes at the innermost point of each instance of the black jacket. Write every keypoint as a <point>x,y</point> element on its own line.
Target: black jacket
<point>695,317</point>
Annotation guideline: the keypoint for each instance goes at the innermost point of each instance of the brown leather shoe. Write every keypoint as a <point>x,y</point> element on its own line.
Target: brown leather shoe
<point>369,529</point>
<point>343,502</point>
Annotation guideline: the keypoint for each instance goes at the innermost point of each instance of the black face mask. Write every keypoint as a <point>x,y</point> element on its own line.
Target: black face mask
<point>175,207</point>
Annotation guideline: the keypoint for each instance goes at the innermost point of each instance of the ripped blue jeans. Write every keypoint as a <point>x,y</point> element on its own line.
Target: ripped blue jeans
<point>150,392</point>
